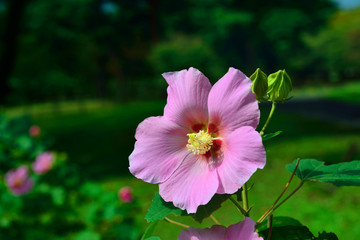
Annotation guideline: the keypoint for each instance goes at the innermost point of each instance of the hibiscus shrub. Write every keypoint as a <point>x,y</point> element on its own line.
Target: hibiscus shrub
<point>205,147</point>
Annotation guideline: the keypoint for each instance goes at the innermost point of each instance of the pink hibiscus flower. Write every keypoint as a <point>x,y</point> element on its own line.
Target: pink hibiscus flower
<point>43,163</point>
<point>18,181</point>
<point>243,230</point>
<point>125,194</point>
<point>34,131</point>
<point>206,141</point>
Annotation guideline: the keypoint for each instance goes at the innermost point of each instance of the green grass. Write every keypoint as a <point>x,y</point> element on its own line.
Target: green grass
<point>348,92</point>
<point>101,138</point>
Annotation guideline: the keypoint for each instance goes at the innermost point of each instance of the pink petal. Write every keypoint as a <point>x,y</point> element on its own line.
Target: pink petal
<point>24,188</point>
<point>159,150</point>
<point>187,97</point>
<point>244,230</point>
<point>216,232</point>
<point>232,103</point>
<point>194,183</point>
<point>243,154</point>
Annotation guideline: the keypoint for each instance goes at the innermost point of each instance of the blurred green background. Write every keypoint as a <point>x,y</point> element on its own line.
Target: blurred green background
<point>88,71</point>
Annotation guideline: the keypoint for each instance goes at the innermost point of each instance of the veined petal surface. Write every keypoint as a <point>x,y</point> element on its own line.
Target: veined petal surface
<point>232,104</point>
<point>194,183</point>
<point>243,154</point>
<point>187,97</point>
<point>160,148</point>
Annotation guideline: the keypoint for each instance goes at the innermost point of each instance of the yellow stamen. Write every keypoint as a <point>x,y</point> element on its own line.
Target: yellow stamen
<point>199,143</point>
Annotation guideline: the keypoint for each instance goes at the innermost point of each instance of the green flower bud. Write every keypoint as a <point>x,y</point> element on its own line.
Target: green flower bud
<point>279,86</point>
<point>260,83</point>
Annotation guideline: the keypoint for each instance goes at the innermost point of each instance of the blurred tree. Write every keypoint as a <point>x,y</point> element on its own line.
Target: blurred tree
<point>335,51</point>
<point>181,52</point>
<point>94,48</point>
<point>249,34</point>
<point>10,41</point>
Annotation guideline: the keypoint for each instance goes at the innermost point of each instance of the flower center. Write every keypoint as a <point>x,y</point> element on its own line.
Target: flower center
<point>199,143</point>
<point>18,182</point>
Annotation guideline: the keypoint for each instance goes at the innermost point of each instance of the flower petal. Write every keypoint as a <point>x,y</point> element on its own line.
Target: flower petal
<point>216,232</point>
<point>194,183</point>
<point>159,150</point>
<point>244,230</point>
<point>243,154</point>
<point>232,103</point>
<point>24,188</point>
<point>187,97</point>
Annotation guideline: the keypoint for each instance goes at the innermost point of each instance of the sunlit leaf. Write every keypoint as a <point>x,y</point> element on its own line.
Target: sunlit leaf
<point>341,174</point>
<point>270,135</point>
<point>160,209</point>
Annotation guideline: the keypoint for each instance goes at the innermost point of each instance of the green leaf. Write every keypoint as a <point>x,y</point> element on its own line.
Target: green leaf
<point>341,174</point>
<point>160,209</point>
<point>153,238</point>
<point>149,230</point>
<point>58,195</point>
<point>205,211</point>
<point>288,233</point>
<point>280,222</point>
<point>87,235</point>
<point>326,236</point>
<point>270,135</point>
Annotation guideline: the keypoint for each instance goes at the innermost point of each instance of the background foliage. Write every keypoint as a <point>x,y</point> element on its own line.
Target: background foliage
<point>114,49</point>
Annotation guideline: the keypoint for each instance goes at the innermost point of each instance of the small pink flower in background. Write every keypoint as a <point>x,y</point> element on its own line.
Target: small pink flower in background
<point>243,230</point>
<point>43,163</point>
<point>34,131</point>
<point>18,180</point>
<point>205,143</point>
<point>125,194</point>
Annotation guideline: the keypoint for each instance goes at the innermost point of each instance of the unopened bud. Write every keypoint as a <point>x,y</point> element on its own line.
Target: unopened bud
<point>279,86</point>
<point>259,83</point>
<point>34,131</point>
<point>125,194</point>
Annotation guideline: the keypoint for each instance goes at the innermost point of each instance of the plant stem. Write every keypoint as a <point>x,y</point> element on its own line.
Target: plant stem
<point>238,206</point>
<point>176,223</point>
<point>282,193</point>
<point>244,195</point>
<point>273,106</point>
<point>292,193</point>
<point>214,219</point>
<point>285,199</point>
<point>270,221</point>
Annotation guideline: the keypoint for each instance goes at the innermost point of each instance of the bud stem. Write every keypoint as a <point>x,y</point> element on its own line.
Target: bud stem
<point>244,195</point>
<point>176,223</point>
<point>214,219</point>
<point>274,206</point>
<point>273,106</point>
<point>238,206</point>
<point>270,223</point>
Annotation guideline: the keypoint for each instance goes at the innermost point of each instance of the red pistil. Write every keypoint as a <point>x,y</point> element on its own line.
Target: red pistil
<point>197,127</point>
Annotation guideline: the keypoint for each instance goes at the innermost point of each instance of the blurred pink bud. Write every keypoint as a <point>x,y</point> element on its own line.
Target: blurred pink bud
<point>125,194</point>
<point>34,131</point>
<point>18,180</point>
<point>43,163</point>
